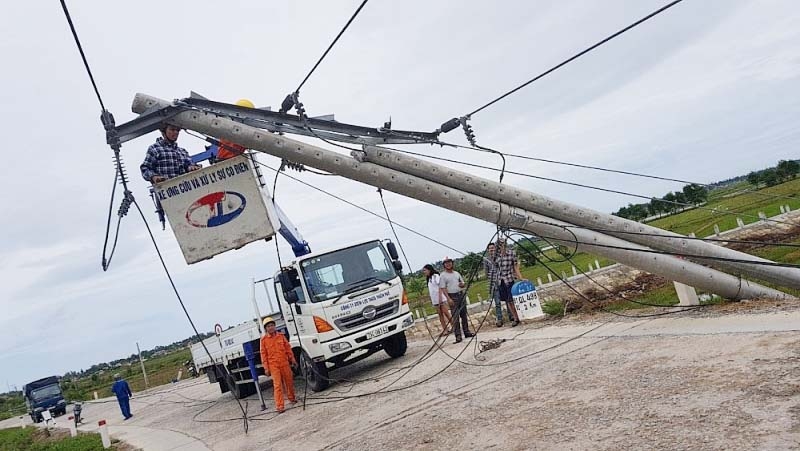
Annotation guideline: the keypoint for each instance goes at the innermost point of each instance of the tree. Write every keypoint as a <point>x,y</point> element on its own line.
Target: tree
<point>670,205</point>
<point>470,263</point>
<point>416,285</point>
<point>754,178</point>
<point>770,177</point>
<point>787,169</point>
<point>695,194</point>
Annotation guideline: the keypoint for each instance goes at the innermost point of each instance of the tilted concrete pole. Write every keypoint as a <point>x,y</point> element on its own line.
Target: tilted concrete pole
<point>469,204</point>
<point>585,217</point>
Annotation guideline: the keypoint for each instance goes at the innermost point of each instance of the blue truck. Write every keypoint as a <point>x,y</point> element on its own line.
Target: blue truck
<point>44,394</point>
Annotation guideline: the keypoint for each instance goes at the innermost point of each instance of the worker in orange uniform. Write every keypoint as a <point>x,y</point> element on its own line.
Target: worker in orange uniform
<point>278,360</point>
<point>228,149</point>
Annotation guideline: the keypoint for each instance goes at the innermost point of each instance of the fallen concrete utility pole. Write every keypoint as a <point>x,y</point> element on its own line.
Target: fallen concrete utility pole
<point>584,217</point>
<point>457,200</point>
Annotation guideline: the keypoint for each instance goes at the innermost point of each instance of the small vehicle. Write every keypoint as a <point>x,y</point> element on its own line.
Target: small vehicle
<point>44,395</point>
<point>77,408</point>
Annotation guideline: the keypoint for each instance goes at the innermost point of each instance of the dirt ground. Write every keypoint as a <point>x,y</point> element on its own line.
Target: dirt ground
<point>727,377</point>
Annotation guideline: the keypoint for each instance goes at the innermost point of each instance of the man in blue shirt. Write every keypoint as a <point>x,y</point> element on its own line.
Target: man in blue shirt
<point>165,159</point>
<point>123,392</point>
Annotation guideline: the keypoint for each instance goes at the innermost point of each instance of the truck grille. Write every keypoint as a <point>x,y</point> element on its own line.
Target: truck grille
<point>358,319</point>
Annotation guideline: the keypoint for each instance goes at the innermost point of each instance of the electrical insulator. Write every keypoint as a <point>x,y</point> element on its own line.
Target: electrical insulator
<point>449,125</point>
<point>468,131</point>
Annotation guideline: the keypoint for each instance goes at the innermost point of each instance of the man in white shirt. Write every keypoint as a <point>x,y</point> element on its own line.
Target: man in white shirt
<point>451,283</point>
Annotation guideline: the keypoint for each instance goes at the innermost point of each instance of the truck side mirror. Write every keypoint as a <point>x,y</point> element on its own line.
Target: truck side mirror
<point>287,283</point>
<point>398,265</point>
<point>392,250</point>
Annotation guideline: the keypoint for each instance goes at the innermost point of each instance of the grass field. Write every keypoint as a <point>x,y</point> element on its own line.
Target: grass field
<point>160,370</point>
<point>34,439</point>
<point>726,206</point>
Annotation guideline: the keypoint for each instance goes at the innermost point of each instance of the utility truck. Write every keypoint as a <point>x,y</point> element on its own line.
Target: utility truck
<point>335,307</point>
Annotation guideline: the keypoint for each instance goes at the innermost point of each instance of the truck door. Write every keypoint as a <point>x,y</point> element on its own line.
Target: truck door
<point>298,316</point>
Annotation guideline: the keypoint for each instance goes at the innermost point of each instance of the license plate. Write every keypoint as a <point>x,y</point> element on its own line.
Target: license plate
<point>377,332</point>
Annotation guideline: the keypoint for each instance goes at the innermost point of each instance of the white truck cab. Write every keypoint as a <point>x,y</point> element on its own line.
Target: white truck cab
<point>342,306</point>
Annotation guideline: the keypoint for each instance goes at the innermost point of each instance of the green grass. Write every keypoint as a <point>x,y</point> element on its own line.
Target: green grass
<point>11,405</point>
<point>34,439</point>
<point>160,370</point>
<point>700,221</point>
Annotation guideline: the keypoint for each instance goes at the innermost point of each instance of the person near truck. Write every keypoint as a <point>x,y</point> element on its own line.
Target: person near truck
<point>124,394</point>
<point>490,268</point>
<point>451,283</point>
<point>438,299</point>
<point>507,273</point>
<point>165,159</point>
<point>278,360</point>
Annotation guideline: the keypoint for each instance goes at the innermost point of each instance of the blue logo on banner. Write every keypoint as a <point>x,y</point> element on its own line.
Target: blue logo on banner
<point>522,287</point>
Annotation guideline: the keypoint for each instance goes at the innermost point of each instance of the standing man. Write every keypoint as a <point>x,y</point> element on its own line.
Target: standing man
<point>451,283</point>
<point>164,158</point>
<point>490,267</point>
<point>124,394</point>
<point>507,272</point>
<point>277,359</point>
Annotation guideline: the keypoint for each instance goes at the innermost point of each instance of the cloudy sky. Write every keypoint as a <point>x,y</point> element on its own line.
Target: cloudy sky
<point>703,92</point>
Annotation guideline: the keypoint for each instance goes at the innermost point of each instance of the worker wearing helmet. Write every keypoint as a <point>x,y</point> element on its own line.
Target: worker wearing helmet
<point>278,360</point>
<point>165,159</point>
<point>229,149</point>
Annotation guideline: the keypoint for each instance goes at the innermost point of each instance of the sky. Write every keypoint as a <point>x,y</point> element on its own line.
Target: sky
<point>706,91</point>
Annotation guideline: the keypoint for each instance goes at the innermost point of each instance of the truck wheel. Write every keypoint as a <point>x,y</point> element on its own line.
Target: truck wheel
<point>316,373</point>
<point>395,345</point>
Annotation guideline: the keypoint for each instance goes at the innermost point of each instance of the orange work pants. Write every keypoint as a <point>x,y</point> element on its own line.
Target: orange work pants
<point>282,377</point>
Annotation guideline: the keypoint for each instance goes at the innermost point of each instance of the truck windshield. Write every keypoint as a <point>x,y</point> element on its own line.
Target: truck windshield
<point>46,392</point>
<point>330,275</point>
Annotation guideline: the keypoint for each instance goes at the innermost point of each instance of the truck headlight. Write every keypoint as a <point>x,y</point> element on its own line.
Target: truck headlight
<point>408,321</point>
<point>62,402</point>
<point>338,347</point>
<point>38,409</point>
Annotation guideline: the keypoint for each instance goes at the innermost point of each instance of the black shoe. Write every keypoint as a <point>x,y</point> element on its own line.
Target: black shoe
<point>458,340</point>
<point>515,323</point>
<point>469,335</point>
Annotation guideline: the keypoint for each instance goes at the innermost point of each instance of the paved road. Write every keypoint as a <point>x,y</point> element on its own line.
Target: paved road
<point>725,380</point>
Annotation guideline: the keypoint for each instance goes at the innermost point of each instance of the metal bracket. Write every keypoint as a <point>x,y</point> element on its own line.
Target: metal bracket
<point>271,121</point>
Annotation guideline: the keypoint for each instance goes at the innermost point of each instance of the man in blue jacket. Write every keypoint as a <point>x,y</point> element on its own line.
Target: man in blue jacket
<point>123,392</point>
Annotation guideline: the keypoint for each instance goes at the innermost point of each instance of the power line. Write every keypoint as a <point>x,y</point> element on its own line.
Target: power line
<point>185,311</point>
<point>576,56</point>
<point>565,227</point>
<point>653,251</point>
<point>364,209</point>
<point>586,298</point>
<point>83,55</point>
<point>582,185</point>
<point>341,32</point>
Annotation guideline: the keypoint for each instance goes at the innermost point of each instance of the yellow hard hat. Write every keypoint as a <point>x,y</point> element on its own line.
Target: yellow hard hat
<point>245,103</point>
<point>267,320</point>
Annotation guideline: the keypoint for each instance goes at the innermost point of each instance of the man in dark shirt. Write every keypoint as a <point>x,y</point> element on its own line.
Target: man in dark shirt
<point>123,392</point>
<point>165,159</point>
